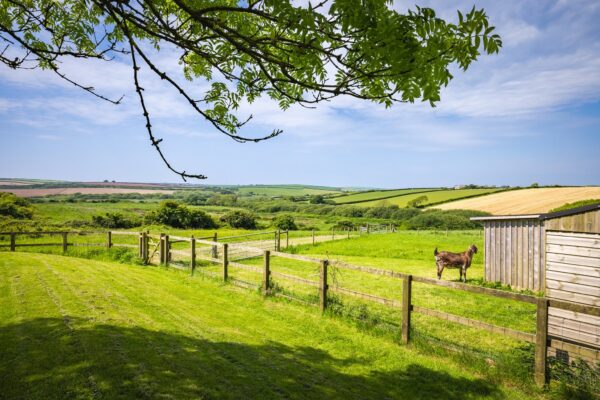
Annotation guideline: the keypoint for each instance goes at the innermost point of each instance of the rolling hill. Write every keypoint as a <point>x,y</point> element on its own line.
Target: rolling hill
<point>377,195</point>
<point>404,196</point>
<point>525,201</point>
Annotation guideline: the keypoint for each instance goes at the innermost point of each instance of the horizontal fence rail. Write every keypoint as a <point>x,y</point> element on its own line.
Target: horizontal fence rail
<point>215,250</point>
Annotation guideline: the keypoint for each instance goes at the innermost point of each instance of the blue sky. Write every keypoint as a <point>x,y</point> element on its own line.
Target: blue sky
<point>529,114</point>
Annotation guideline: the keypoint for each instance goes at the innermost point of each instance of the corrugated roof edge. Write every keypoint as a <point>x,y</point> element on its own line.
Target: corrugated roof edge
<point>558,214</point>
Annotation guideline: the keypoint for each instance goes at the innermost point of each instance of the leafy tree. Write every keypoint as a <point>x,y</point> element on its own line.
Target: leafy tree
<point>293,52</point>
<point>178,215</point>
<point>240,219</point>
<point>416,202</point>
<point>317,199</point>
<point>14,206</point>
<point>285,222</point>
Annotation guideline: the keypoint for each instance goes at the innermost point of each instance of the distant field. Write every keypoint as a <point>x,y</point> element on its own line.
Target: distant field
<point>525,201</point>
<point>432,197</point>
<point>376,195</point>
<point>83,190</point>
<point>287,190</point>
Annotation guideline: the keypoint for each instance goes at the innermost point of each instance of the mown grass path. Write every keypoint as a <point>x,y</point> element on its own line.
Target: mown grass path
<point>74,328</point>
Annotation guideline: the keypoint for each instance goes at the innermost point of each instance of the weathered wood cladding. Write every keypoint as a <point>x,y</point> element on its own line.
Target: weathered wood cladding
<point>515,253</point>
<point>588,222</point>
<point>573,274</point>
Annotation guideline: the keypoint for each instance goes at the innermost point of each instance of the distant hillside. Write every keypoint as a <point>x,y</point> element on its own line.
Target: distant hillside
<point>525,201</point>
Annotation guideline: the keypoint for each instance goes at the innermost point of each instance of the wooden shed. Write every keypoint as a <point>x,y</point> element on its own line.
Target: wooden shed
<point>555,253</point>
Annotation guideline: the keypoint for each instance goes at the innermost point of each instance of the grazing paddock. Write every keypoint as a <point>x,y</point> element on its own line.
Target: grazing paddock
<point>433,197</point>
<point>525,201</point>
<point>73,328</point>
<point>377,195</point>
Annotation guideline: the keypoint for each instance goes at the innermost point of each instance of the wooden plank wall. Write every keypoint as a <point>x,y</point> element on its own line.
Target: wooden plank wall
<point>573,274</point>
<point>588,222</point>
<point>514,253</point>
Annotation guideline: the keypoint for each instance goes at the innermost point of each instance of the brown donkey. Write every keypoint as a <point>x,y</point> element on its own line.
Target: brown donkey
<point>454,260</point>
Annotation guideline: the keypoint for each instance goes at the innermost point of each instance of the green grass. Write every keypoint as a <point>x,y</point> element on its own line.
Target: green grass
<point>434,197</point>
<point>286,190</point>
<point>73,328</point>
<point>412,252</point>
<point>376,195</point>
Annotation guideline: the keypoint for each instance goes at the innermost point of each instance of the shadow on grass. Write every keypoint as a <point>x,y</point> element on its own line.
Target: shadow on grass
<point>72,358</point>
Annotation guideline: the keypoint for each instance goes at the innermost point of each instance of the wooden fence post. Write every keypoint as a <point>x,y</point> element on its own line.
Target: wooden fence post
<point>323,285</point>
<point>64,241</point>
<point>167,250</point>
<point>13,241</point>
<point>287,239</point>
<point>406,308</point>
<point>278,240</point>
<point>109,239</point>
<point>348,232</point>
<point>225,262</point>
<point>267,272</point>
<point>214,251</point>
<point>313,235</point>
<point>145,249</point>
<point>541,341</point>
<point>161,251</point>
<point>193,255</point>
<point>141,245</point>
<point>332,233</point>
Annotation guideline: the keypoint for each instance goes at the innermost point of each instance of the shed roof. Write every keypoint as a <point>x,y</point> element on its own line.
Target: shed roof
<point>541,217</point>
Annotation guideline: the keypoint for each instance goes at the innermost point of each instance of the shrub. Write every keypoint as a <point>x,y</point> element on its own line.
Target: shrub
<point>285,222</point>
<point>316,199</point>
<point>114,221</point>
<point>450,219</point>
<point>344,225</point>
<point>240,219</point>
<point>178,215</point>
<point>382,210</point>
<point>14,206</point>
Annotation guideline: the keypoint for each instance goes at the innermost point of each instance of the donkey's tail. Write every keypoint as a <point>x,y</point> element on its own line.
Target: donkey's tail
<point>435,252</point>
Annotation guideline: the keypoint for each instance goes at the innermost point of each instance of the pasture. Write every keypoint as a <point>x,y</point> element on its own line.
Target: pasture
<point>88,329</point>
<point>285,190</point>
<point>376,195</point>
<point>433,197</point>
<point>525,201</point>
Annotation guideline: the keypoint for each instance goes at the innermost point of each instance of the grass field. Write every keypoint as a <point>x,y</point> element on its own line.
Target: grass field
<point>286,190</point>
<point>73,328</point>
<point>525,201</point>
<point>376,195</point>
<point>432,197</point>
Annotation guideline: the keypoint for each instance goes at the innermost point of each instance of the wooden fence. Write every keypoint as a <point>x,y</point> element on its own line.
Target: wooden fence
<point>150,245</point>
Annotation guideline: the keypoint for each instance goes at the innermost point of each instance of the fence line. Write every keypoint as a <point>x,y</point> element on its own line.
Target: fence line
<point>540,338</point>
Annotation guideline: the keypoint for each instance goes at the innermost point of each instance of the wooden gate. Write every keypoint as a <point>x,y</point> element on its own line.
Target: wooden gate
<point>573,274</point>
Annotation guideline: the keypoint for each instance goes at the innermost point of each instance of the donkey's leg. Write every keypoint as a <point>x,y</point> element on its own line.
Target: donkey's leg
<point>440,269</point>
<point>463,272</point>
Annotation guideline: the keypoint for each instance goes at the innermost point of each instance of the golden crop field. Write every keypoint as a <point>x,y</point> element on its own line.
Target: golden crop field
<point>525,201</point>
